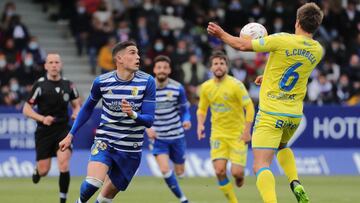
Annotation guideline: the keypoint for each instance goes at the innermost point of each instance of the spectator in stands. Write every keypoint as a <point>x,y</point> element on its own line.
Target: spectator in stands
<point>12,55</point>
<point>344,89</point>
<point>19,32</point>
<point>7,14</point>
<point>38,54</point>
<point>331,70</point>
<point>142,34</point>
<point>354,67</point>
<point>195,74</point>
<point>80,26</point>
<point>158,48</point>
<point>105,59</point>
<point>321,91</point>
<point>350,19</point>
<point>123,31</point>
<point>103,15</point>
<point>96,40</point>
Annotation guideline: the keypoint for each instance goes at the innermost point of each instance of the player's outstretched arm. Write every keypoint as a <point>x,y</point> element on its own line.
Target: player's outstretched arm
<point>239,43</point>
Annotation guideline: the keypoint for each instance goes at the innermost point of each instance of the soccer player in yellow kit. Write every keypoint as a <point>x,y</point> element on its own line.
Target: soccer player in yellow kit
<point>283,87</point>
<point>230,130</point>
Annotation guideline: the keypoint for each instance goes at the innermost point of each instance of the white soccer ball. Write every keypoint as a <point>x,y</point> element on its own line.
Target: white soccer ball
<point>253,31</point>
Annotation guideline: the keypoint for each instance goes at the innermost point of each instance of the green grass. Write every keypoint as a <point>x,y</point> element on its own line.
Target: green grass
<point>340,189</point>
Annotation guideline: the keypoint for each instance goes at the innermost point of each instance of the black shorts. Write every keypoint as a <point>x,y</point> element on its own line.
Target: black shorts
<point>47,140</point>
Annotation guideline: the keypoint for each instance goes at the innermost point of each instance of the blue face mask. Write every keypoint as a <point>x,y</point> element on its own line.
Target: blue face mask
<point>29,62</point>
<point>279,9</point>
<point>159,47</point>
<point>33,45</point>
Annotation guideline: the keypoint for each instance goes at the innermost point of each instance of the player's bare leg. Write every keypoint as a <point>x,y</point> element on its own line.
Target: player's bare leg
<point>42,168</point>
<point>169,177</point>
<point>265,181</point>
<point>96,173</point>
<point>238,173</point>
<point>63,158</point>
<point>179,170</point>
<point>108,192</point>
<point>224,184</point>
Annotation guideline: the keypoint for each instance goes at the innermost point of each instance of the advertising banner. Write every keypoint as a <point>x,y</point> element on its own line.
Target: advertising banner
<point>20,163</point>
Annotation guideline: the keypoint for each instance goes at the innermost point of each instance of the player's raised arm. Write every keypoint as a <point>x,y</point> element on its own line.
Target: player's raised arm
<point>239,43</point>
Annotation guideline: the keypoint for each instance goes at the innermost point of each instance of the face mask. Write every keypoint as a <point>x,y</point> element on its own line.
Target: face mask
<point>278,26</point>
<point>81,9</point>
<point>256,11</point>
<point>159,46</point>
<point>14,87</point>
<point>33,45</point>
<point>10,12</point>
<point>181,51</point>
<point>2,64</point>
<point>148,6</point>
<point>279,9</point>
<point>28,62</point>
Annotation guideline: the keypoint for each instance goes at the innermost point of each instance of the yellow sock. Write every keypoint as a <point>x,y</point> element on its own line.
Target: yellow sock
<point>229,193</point>
<point>265,183</point>
<point>286,160</point>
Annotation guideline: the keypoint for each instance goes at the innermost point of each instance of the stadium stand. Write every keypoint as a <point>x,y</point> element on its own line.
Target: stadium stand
<point>178,29</point>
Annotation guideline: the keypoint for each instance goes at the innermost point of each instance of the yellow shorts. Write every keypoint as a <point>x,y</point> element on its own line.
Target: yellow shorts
<point>271,130</point>
<point>234,150</point>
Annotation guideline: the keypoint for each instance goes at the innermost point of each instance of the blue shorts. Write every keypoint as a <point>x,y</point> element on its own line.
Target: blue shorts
<point>122,165</point>
<point>174,148</point>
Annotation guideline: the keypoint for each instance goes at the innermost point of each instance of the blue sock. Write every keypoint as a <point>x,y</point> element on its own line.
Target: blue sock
<point>88,187</point>
<point>172,183</point>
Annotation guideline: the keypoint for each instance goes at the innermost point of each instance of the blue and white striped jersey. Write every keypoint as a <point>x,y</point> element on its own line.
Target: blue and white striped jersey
<point>116,128</point>
<point>172,108</point>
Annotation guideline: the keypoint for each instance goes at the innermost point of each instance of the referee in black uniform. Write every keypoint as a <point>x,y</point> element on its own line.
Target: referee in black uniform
<point>52,95</point>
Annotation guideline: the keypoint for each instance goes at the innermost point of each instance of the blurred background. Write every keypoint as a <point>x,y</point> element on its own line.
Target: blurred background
<point>84,31</point>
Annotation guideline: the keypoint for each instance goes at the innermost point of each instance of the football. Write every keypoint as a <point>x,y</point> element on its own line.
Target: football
<point>253,31</point>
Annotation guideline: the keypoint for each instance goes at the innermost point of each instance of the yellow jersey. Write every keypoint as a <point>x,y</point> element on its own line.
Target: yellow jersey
<point>226,99</point>
<point>292,59</point>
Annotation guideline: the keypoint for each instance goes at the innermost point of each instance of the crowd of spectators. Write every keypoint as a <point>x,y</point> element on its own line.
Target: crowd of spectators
<point>177,28</point>
<point>21,58</point>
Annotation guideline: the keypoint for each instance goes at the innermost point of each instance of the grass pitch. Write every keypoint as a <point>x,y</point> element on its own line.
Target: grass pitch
<point>338,189</point>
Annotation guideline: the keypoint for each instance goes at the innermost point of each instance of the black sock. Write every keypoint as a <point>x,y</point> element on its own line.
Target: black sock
<point>64,182</point>
<point>294,183</point>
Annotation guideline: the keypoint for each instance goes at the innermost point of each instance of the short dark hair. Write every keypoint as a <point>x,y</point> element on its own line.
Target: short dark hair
<point>121,46</point>
<point>162,58</point>
<point>219,54</point>
<point>310,17</point>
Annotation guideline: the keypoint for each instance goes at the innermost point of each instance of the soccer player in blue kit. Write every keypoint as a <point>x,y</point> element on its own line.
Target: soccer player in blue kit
<point>172,116</point>
<point>128,106</point>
